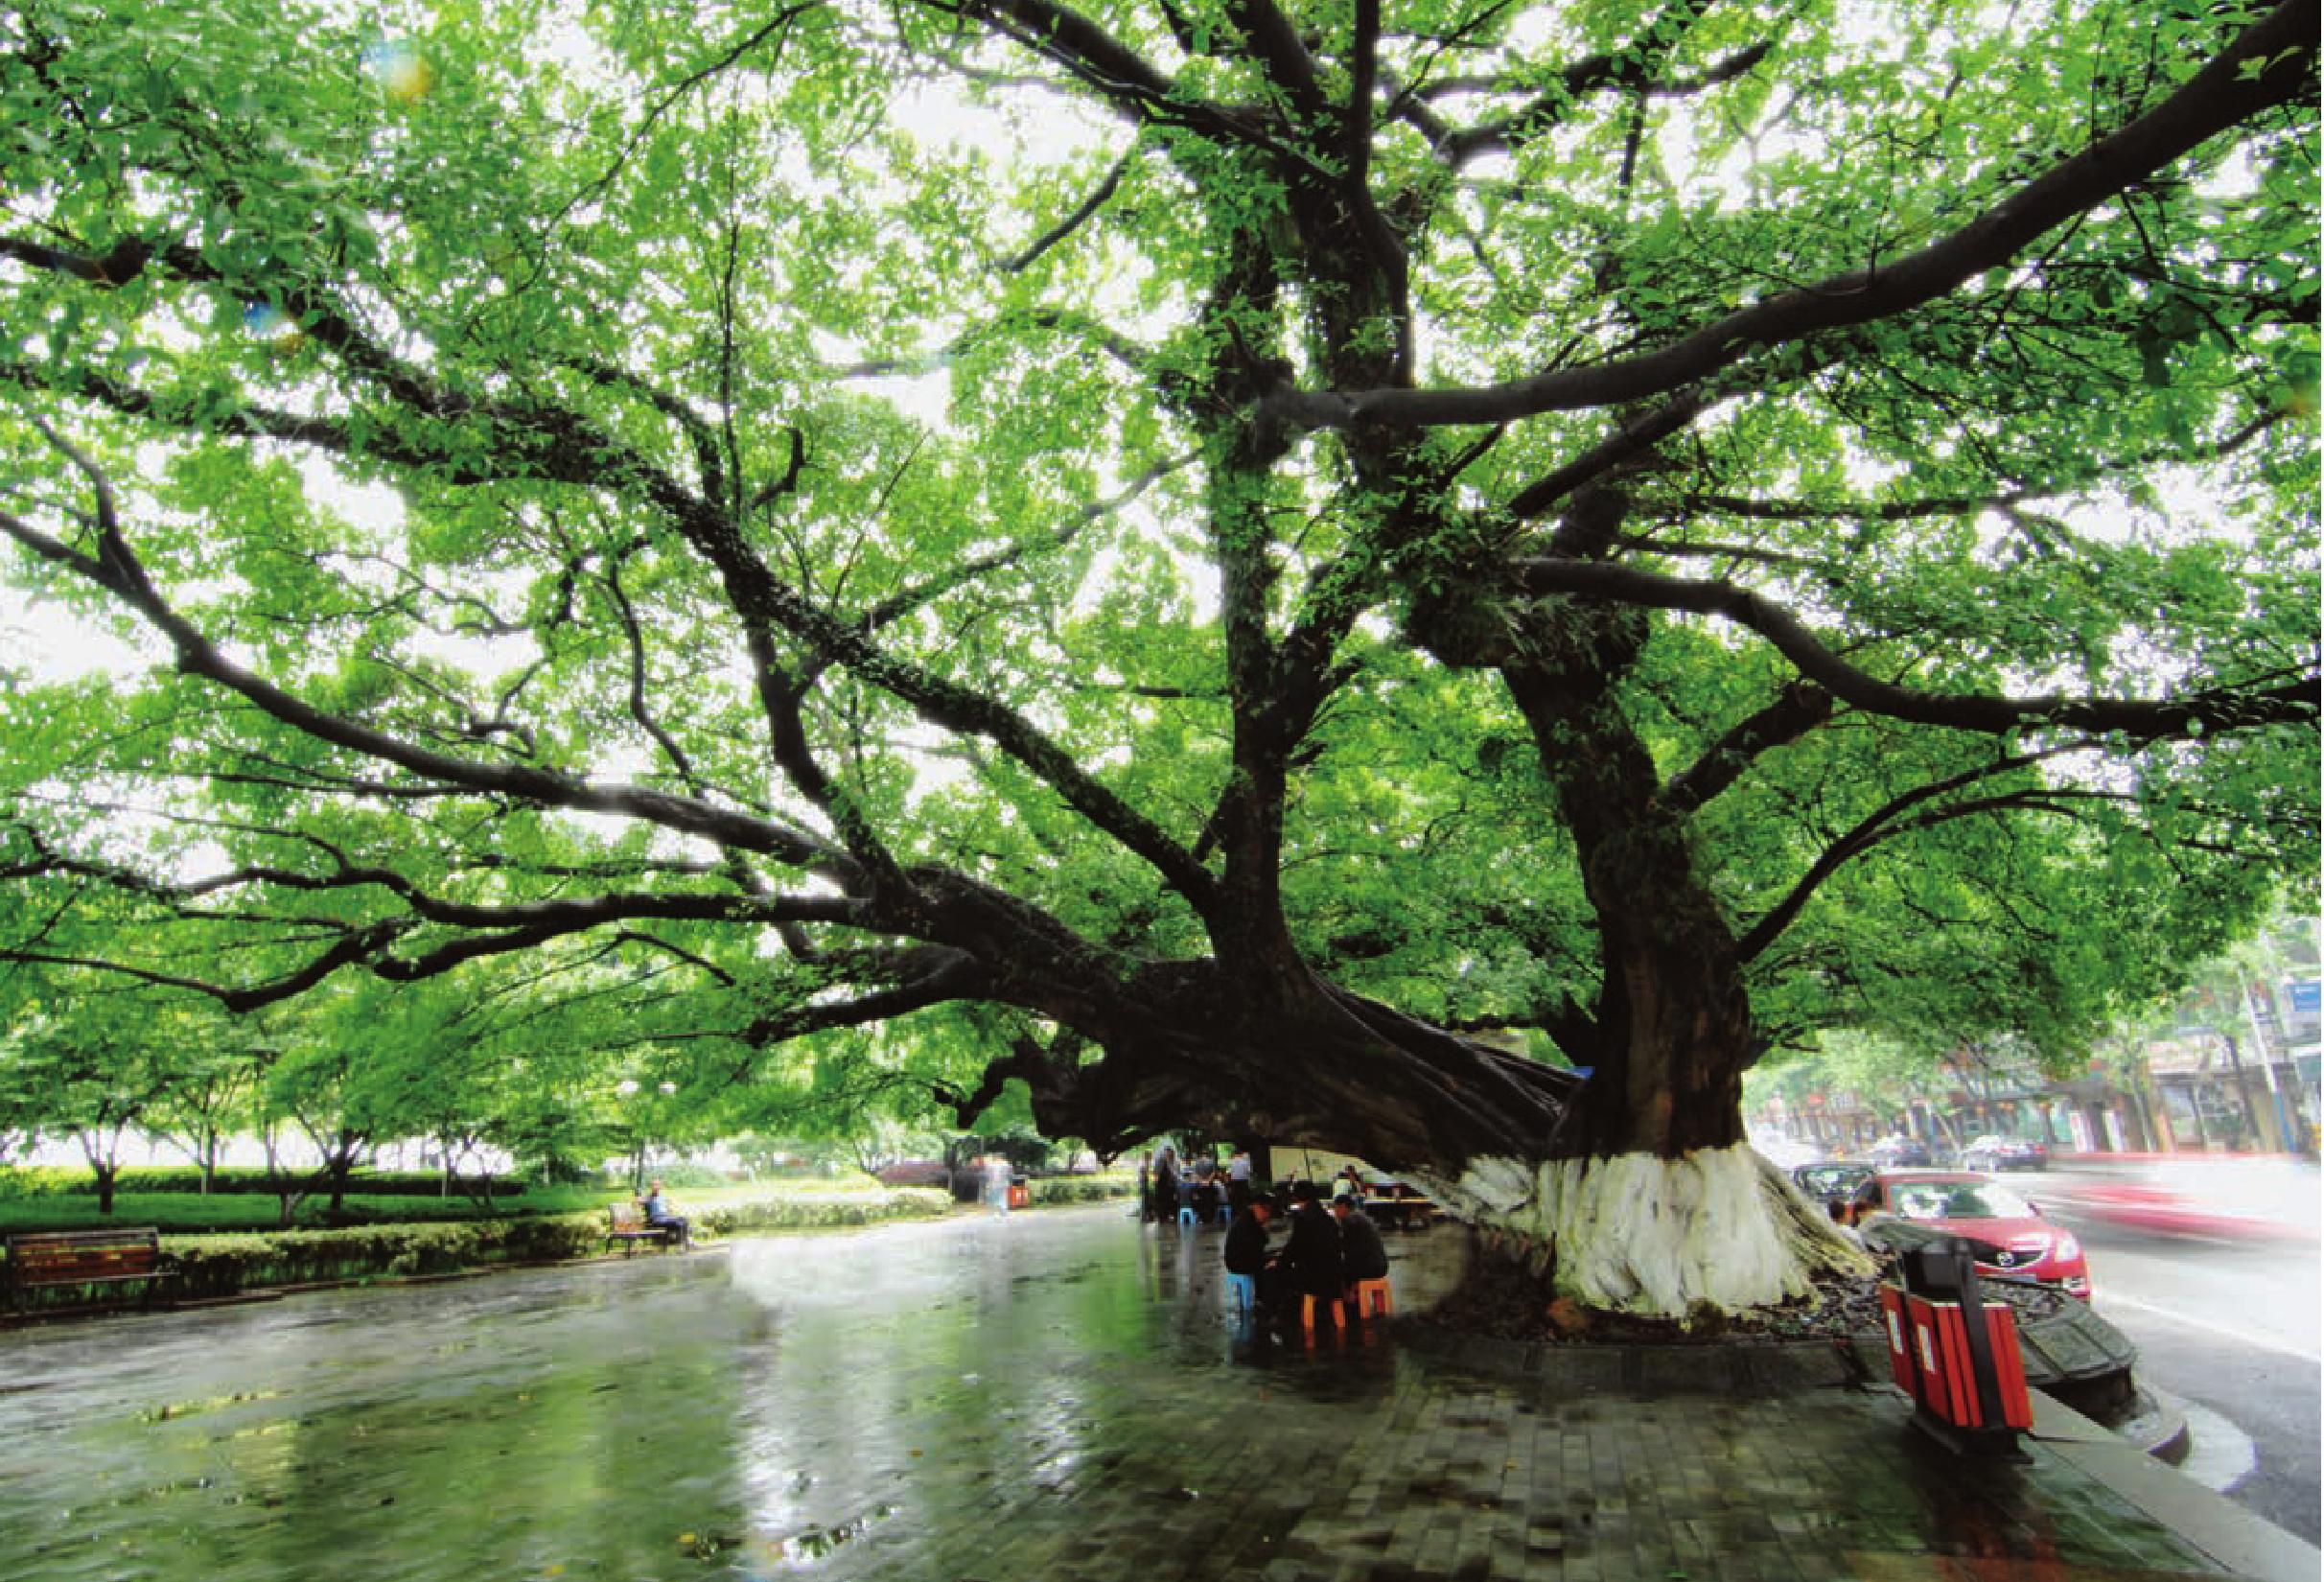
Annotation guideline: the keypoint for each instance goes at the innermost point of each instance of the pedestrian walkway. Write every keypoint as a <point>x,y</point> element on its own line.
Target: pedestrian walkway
<point>1052,1397</point>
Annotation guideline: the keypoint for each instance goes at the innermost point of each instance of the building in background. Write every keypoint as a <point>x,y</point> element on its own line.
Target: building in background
<point>2234,1070</point>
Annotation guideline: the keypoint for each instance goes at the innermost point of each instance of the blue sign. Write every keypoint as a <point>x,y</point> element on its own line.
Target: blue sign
<point>2307,996</point>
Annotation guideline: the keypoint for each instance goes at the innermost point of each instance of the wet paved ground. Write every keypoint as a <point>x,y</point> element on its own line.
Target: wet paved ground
<point>1048,1398</point>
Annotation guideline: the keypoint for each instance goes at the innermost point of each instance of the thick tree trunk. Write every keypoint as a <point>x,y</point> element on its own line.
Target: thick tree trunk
<point>105,1164</point>
<point>337,1165</point>
<point>1671,1033</point>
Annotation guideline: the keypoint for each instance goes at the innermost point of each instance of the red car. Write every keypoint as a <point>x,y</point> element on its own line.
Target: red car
<point>2145,1205</point>
<point>2024,1244</point>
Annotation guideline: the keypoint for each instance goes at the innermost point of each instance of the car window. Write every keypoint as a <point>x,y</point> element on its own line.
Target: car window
<point>1832,1178</point>
<point>1959,1201</point>
<point>1988,1200</point>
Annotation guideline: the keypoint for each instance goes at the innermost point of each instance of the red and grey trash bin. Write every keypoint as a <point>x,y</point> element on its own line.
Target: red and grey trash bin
<point>1954,1352</point>
<point>1019,1194</point>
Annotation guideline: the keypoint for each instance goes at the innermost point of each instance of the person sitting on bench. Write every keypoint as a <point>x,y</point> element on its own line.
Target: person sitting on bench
<point>656,1205</point>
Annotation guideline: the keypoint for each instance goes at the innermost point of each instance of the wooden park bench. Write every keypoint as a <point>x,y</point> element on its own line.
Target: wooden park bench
<point>628,1226</point>
<point>45,1258</point>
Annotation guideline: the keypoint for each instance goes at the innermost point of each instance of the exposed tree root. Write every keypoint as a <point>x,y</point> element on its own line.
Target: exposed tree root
<point>1505,1295</point>
<point>1718,1231</point>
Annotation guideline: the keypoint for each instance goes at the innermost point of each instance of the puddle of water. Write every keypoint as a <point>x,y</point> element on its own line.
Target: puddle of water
<point>817,1542</point>
<point>168,1409</point>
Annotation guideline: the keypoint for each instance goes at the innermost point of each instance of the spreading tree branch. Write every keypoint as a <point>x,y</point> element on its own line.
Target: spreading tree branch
<point>1890,821</point>
<point>117,569</point>
<point>1082,213</point>
<point>2271,63</point>
<point>1797,709</point>
<point>2210,712</point>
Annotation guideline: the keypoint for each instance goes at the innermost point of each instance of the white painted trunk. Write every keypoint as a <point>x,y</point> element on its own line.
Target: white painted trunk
<point>1636,1233</point>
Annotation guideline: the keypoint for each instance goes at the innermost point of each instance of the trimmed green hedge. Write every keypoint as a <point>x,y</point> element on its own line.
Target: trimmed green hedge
<point>225,1214</point>
<point>226,1266</point>
<point>79,1181</point>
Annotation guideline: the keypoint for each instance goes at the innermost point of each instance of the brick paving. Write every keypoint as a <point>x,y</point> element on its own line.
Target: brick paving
<point>1447,1478</point>
<point>1364,1462</point>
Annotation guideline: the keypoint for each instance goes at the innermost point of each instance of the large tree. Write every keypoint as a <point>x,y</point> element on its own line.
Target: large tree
<point>1202,553</point>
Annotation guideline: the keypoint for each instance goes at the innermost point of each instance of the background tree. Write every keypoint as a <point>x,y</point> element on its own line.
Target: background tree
<point>209,1091</point>
<point>1664,526</point>
<point>91,1066</point>
<point>19,1121</point>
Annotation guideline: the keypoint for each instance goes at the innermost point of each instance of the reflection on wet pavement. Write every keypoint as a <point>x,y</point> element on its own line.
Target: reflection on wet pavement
<point>1040,1398</point>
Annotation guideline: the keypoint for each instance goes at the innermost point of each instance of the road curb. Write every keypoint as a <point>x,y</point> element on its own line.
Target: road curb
<point>2241,1542</point>
<point>2157,1426</point>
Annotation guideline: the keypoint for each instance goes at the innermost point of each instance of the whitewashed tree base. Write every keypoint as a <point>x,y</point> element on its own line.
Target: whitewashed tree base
<point>1635,1233</point>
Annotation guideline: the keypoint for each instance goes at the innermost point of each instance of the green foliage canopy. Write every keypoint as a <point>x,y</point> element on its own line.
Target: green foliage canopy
<point>1112,541</point>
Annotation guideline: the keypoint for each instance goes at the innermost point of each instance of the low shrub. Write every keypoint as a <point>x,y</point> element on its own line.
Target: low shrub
<point>819,1211</point>
<point>1080,1188</point>
<point>849,1179</point>
<point>683,1173</point>
<point>45,1180</point>
<point>226,1266</point>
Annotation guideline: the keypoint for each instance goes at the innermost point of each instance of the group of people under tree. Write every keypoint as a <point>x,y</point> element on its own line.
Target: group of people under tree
<point>1169,1185</point>
<point>1328,1252</point>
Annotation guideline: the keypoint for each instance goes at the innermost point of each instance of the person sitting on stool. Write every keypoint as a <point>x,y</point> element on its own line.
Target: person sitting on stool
<point>1246,1246</point>
<point>1361,1256</point>
<point>1309,1265</point>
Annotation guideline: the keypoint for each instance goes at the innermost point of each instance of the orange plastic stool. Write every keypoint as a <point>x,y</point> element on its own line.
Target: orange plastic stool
<point>1371,1298</point>
<point>1306,1313</point>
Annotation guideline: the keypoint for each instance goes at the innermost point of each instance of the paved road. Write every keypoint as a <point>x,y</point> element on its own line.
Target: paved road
<point>2227,1322</point>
